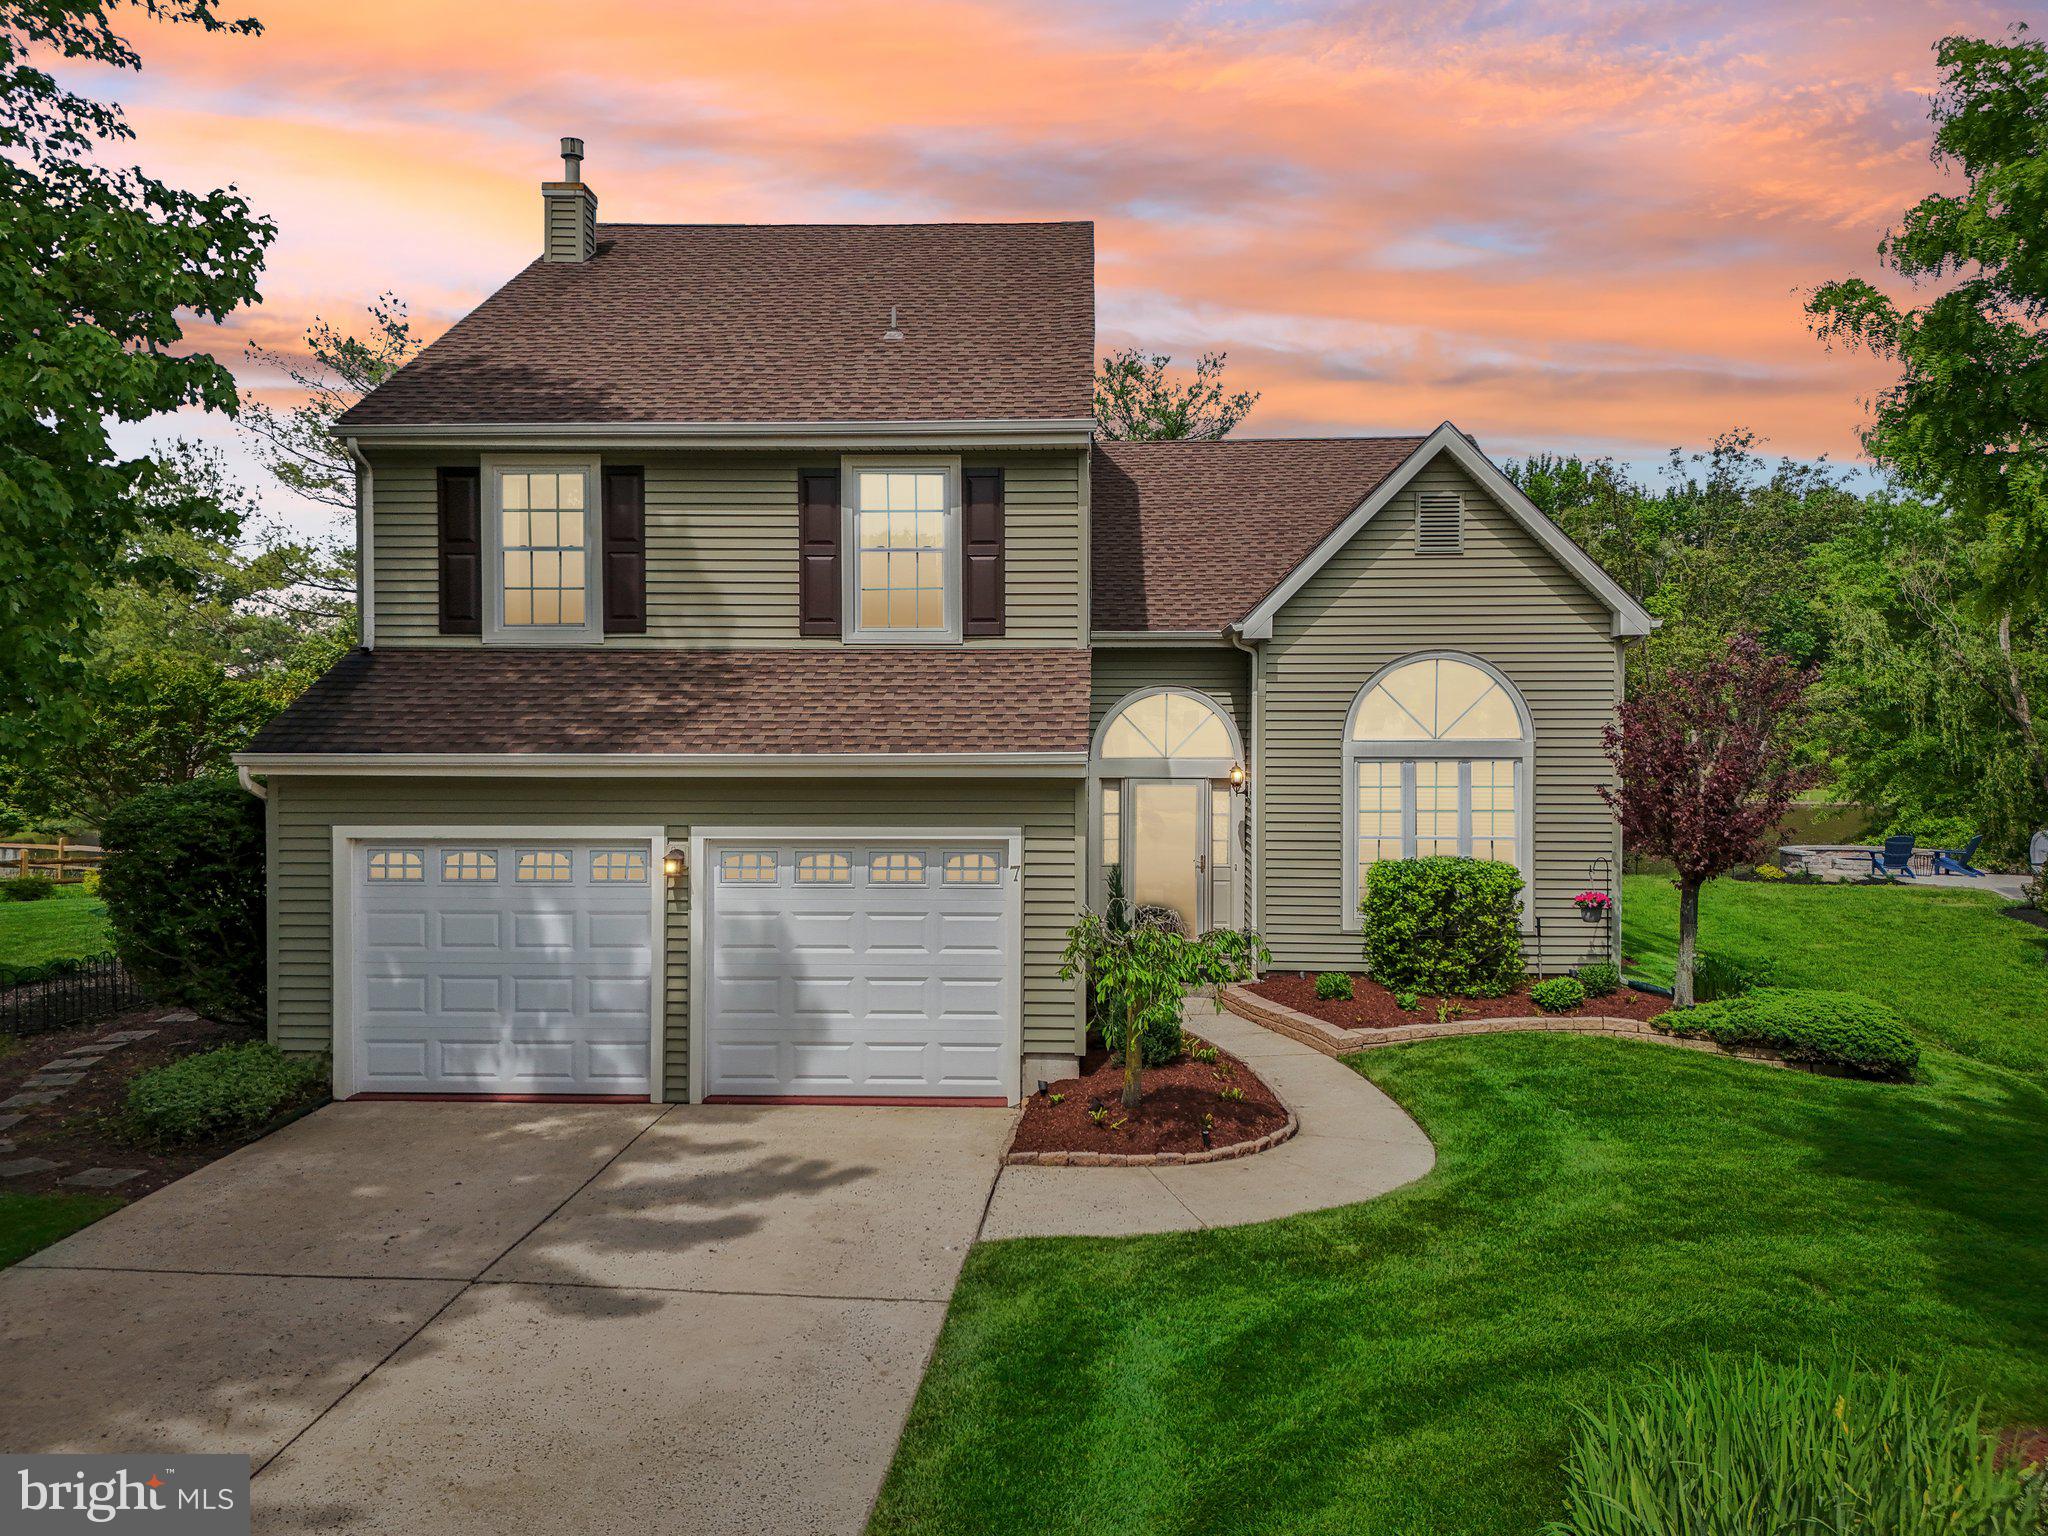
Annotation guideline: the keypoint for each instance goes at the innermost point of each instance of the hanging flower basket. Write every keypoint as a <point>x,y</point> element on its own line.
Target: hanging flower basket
<point>1593,905</point>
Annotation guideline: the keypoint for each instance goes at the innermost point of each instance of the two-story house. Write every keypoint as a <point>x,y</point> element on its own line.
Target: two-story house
<point>762,662</point>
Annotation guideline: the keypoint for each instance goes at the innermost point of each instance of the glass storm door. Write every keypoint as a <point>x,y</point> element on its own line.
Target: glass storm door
<point>1169,829</point>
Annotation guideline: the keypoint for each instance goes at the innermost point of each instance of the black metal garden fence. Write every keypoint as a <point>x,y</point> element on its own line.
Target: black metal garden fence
<point>66,994</point>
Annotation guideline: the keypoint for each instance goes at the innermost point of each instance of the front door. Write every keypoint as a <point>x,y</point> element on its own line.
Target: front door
<point>1169,827</point>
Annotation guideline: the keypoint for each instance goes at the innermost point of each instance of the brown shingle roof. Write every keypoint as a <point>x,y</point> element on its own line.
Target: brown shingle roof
<point>859,700</point>
<point>1192,535</point>
<point>755,323</point>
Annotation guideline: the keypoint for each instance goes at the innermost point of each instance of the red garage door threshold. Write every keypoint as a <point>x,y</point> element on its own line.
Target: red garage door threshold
<point>496,1098</point>
<point>883,1102</point>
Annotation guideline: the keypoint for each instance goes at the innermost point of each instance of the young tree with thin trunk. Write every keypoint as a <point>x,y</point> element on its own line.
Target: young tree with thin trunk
<point>1708,765</point>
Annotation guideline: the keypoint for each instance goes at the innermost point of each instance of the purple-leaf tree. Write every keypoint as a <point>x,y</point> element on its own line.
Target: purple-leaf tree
<point>1708,769</point>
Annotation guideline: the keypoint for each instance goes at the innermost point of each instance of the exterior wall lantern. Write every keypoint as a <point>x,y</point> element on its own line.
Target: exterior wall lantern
<point>674,865</point>
<point>1237,776</point>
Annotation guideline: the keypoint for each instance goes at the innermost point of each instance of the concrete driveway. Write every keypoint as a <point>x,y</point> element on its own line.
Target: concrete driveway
<point>480,1317</point>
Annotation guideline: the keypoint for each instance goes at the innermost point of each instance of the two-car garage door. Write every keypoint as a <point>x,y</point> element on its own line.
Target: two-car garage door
<point>827,968</point>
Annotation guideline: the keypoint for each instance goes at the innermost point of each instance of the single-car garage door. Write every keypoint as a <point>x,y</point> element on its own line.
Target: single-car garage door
<point>851,969</point>
<point>503,967</point>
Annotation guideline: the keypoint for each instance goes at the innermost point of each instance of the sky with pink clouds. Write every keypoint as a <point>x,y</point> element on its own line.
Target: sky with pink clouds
<point>1564,224</point>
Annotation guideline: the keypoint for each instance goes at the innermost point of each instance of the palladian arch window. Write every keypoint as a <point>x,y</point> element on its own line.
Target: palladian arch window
<point>1437,758</point>
<point>1166,726</point>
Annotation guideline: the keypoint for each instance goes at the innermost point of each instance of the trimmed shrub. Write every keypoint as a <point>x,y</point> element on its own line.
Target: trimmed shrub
<point>1836,1029</point>
<point>1735,1448</point>
<point>28,888</point>
<point>1718,976</point>
<point>1560,994</point>
<point>183,884</point>
<point>1333,987</point>
<point>1443,925</point>
<point>220,1094</point>
<point>1602,980</point>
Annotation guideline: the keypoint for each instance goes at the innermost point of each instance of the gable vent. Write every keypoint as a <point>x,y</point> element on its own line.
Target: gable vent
<point>1439,523</point>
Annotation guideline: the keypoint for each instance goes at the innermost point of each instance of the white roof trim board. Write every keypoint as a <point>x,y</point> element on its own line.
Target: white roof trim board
<point>1630,618</point>
<point>669,764</point>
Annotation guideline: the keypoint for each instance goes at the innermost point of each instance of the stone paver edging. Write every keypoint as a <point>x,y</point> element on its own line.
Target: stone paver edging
<point>1236,1149</point>
<point>1332,1041</point>
<point>1345,1142</point>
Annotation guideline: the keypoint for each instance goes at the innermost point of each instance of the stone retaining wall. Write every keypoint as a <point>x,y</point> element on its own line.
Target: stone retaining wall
<point>1333,1041</point>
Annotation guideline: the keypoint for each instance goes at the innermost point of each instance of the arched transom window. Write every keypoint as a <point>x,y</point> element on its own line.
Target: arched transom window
<point>1169,726</point>
<point>1437,758</point>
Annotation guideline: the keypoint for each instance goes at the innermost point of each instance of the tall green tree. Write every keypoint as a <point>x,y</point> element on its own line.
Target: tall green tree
<point>201,640</point>
<point>1965,425</point>
<point>1137,400</point>
<point>97,261</point>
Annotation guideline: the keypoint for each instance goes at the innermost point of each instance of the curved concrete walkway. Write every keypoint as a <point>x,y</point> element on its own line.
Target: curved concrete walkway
<point>1354,1143</point>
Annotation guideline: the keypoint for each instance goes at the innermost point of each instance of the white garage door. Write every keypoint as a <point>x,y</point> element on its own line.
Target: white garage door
<point>852,970</point>
<point>503,967</point>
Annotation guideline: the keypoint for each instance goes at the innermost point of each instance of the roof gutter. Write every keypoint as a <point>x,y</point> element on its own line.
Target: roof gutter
<point>1060,432</point>
<point>249,783</point>
<point>669,765</point>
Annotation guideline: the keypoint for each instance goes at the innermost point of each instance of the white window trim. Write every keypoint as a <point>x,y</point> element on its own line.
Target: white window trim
<point>850,628</point>
<point>591,630</point>
<point>1522,753</point>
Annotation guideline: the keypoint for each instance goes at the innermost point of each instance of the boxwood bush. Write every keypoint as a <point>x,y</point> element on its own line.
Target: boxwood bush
<point>1444,925</point>
<point>28,888</point>
<point>1735,1448</point>
<point>1836,1029</point>
<point>1602,980</point>
<point>217,1095</point>
<point>1333,986</point>
<point>1560,994</point>
<point>183,884</point>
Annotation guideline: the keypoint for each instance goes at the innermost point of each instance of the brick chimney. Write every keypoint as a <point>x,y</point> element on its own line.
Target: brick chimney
<point>569,225</point>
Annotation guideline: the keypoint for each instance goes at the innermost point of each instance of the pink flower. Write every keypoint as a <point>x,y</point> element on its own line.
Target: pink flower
<point>1597,899</point>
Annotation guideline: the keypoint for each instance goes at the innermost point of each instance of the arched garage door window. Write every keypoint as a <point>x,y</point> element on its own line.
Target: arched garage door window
<point>1438,754</point>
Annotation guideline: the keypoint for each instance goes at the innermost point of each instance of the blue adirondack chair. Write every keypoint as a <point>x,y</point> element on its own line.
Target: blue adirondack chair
<point>1895,858</point>
<point>1956,861</point>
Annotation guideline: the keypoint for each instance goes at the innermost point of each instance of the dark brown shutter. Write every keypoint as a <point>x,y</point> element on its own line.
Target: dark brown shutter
<point>459,496</point>
<point>982,552</point>
<point>625,551</point>
<point>817,537</point>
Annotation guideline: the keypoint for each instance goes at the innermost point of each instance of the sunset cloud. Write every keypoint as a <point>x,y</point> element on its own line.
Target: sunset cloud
<point>1563,225</point>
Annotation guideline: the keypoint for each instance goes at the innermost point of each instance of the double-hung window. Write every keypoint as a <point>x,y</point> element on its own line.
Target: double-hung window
<point>1437,760</point>
<point>542,524</point>
<point>902,529</point>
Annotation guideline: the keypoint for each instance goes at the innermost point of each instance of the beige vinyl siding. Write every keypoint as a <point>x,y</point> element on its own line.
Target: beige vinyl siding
<point>1504,600</point>
<point>1221,671</point>
<point>304,811</point>
<point>721,548</point>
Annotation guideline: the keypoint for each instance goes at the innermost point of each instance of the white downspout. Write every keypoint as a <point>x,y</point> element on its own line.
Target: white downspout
<point>366,546</point>
<point>249,783</point>
<point>1254,752</point>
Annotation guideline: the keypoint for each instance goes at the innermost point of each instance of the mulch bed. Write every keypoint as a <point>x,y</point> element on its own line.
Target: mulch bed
<point>1372,1006</point>
<point>2032,915</point>
<point>79,1130</point>
<point>1168,1118</point>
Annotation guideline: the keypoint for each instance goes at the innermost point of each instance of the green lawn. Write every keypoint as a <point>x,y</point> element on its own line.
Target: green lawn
<point>1600,1209</point>
<point>69,924</point>
<point>29,1222</point>
<point>1959,974</point>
